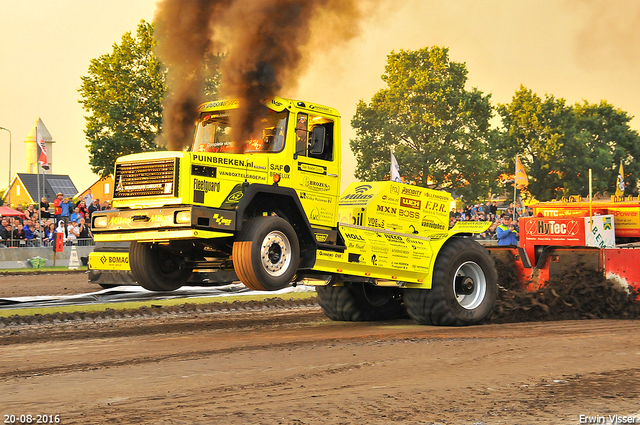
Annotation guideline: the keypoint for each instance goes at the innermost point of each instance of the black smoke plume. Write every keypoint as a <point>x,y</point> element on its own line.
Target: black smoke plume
<point>266,43</point>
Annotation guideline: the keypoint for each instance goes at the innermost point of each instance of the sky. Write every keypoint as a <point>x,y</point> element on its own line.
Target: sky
<point>572,49</point>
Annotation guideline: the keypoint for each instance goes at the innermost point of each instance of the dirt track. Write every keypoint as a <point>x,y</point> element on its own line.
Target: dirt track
<point>34,284</point>
<point>293,367</point>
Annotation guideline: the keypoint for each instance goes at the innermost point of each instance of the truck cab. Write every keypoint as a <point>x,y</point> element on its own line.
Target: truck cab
<point>189,205</point>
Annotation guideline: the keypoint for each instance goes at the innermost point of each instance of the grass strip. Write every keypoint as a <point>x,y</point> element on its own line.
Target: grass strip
<point>32,311</point>
<point>25,270</point>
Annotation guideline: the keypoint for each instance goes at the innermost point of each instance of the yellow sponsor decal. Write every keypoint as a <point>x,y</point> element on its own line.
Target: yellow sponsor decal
<point>109,261</point>
<point>160,235</point>
<point>221,221</point>
<point>219,104</point>
<point>321,237</point>
<point>312,168</point>
<point>156,218</point>
<point>471,226</point>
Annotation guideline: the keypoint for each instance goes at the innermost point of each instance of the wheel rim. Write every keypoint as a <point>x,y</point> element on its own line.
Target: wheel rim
<point>470,285</point>
<point>275,253</point>
<point>167,263</point>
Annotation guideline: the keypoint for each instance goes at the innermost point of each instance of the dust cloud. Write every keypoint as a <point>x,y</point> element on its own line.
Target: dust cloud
<point>609,37</point>
<point>267,44</point>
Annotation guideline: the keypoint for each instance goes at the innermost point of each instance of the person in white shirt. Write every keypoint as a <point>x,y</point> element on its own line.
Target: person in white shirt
<point>73,232</point>
<point>88,198</point>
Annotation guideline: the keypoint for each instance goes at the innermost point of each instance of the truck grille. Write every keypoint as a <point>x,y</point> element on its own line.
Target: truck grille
<point>146,178</point>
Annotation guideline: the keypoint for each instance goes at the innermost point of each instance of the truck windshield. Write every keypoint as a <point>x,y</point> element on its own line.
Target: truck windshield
<point>213,133</point>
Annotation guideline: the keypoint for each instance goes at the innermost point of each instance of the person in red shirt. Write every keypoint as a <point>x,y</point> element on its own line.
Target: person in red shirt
<point>56,205</point>
<point>83,209</point>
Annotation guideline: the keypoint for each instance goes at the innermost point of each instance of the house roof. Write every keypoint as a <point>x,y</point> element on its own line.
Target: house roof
<point>50,185</point>
<point>92,184</point>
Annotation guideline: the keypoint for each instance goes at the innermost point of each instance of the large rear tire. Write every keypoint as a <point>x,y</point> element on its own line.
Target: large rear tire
<point>266,254</point>
<point>464,287</point>
<point>156,269</point>
<point>359,302</point>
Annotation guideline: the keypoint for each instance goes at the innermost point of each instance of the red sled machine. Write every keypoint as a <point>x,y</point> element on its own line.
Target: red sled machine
<point>563,236</point>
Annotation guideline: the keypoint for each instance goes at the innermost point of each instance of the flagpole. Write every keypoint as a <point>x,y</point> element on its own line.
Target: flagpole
<point>590,204</point>
<point>38,178</point>
<point>38,153</point>
<point>515,188</point>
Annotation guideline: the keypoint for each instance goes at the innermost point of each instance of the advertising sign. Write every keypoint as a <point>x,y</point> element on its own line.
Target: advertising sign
<point>627,219</point>
<point>395,207</point>
<point>566,231</point>
<point>602,233</point>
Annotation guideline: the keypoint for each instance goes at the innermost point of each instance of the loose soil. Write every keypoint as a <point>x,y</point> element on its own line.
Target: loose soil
<point>36,284</point>
<point>282,362</point>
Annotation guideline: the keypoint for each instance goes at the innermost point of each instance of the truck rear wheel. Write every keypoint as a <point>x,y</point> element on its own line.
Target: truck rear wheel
<point>266,254</point>
<point>156,269</point>
<point>464,287</point>
<point>359,302</point>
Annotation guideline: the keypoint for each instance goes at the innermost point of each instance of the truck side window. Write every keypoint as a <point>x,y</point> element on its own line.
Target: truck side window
<point>327,152</point>
<point>302,134</point>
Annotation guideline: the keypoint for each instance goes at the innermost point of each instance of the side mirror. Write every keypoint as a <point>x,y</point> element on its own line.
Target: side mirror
<point>317,140</point>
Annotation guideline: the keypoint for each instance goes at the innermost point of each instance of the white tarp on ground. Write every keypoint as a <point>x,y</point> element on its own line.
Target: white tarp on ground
<point>137,293</point>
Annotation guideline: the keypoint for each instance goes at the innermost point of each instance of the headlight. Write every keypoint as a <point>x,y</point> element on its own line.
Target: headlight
<point>100,222</point>
<point>183,217</point>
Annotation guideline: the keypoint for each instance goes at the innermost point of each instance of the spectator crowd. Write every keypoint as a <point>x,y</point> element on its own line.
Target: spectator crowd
<point>73,220</point>
<point>504,228</point>
<point>39,227</point>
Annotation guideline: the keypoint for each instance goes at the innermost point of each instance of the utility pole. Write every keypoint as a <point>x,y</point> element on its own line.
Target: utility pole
<point>9,183</point>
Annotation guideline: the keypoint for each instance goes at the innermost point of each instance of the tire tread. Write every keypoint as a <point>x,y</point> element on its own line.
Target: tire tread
<point>348,303</point>
<point>432,306</point>
<point>244,252</point>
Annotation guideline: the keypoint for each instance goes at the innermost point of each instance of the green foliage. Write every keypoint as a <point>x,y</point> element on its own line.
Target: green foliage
<point>439,130</point>
<point>212,64</point>
<point>123,96</point>
<point>558,144</point>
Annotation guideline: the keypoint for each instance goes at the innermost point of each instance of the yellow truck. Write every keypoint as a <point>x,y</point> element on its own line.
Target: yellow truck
<point>270,209</point>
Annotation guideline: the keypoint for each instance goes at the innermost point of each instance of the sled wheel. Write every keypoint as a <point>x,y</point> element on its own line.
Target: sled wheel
<point>266,254</point>
<point>156,269</point>
<point>357,302</point>
<point>464,287</point>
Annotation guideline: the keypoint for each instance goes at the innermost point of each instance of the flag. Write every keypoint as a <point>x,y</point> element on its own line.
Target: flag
<point>42,150</point>
<point>620,181</point>
<point>521,176</point>
<point>395,170</point>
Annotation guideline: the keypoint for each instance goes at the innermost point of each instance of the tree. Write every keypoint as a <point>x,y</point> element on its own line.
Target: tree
<point>439,131</point>
<point>123,96</point>
<point>535,130</point>
<point>606,139</point>
<point>558,144</point>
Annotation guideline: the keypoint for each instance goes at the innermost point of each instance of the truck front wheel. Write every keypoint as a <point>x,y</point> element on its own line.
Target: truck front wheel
<point>156,269</point>
<point>464,287</point>
<point>357,302</point>
<point>266,254</point>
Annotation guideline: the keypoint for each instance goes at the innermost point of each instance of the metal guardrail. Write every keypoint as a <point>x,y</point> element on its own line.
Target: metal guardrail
<point>35,243</point>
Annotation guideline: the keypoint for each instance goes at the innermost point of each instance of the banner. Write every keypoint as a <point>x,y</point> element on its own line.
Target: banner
<point>620,181</point>
<point>521,176</point>
<point>42,150</point>
<point>395,170</point>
